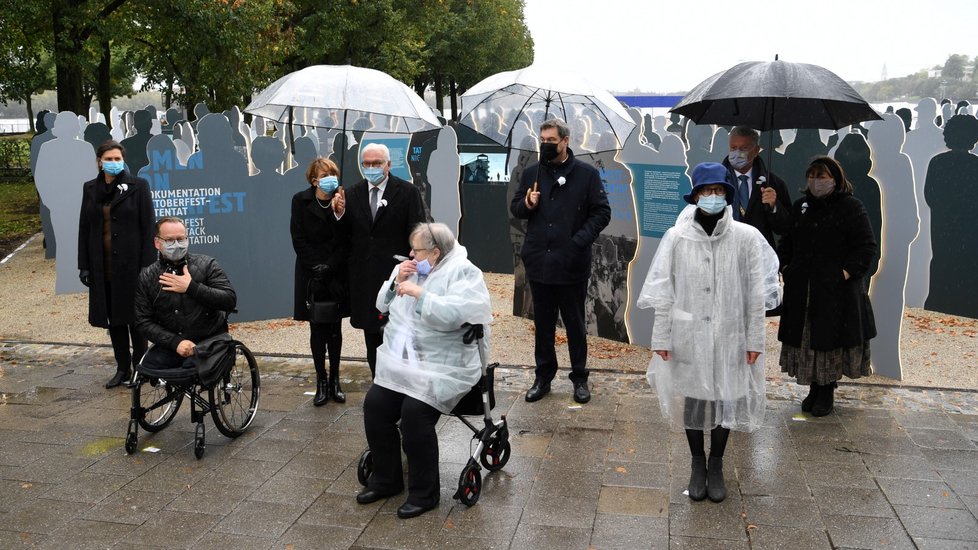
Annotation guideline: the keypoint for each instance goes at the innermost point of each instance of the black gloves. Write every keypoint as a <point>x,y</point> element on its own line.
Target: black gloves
<point>320,271</point>
<point>85,277</point>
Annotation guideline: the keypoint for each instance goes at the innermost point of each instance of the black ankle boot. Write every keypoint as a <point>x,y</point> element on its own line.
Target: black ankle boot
<point>335,391</point>
<point>697,478</point>
<point>119,378</point>
<point>322,391</point>
<point>715,487</point>
<point>825,401</point>
<point>809,402</point>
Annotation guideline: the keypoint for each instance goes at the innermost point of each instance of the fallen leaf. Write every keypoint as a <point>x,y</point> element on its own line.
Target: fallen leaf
<point>621,470</point>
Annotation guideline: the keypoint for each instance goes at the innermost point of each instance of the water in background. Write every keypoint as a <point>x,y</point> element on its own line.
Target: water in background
<point>14,125</point>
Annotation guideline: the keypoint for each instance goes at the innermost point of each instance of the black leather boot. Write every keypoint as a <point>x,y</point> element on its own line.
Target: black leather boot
<point>120,377</point>
<point>697,478</point>
<point>715,488</point>
<point>322,391</point>
<point>335,391</point>
<point>825,401</point>
<point>809,402</point>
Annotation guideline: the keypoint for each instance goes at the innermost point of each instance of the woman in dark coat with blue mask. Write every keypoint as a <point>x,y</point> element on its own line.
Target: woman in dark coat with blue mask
<point>320,272</point>
<point>827,319</point>
<point>116,226</point>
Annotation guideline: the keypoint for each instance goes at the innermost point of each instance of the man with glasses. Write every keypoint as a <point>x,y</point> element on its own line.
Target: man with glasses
<point>376,216</point>
<point>566,207</point>
<point>181,299</point>
<point>760,197</point>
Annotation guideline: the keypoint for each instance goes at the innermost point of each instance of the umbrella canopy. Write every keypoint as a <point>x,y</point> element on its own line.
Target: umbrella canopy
<point>344,96</point>
<point>508,105</point>
<point>773,95</point>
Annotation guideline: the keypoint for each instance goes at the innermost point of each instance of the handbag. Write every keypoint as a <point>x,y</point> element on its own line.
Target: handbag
<point>321,311</point>
<point>213,357</point>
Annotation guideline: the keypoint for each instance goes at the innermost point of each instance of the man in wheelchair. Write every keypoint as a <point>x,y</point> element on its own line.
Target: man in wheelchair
<point>181,299</point>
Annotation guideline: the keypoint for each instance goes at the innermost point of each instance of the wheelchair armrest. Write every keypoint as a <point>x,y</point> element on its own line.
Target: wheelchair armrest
<point>474,332</point>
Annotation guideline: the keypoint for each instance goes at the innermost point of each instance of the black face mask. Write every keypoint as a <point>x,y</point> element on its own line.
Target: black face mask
<point>548,151</point>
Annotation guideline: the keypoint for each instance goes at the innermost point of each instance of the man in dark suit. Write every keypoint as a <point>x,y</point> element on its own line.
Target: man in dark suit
<point>566,207</point>
<point>762,198</point>
<point>376,217</point>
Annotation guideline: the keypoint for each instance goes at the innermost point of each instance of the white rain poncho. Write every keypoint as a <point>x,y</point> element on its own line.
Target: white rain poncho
<point>710,294</point>
<point>423,355</point>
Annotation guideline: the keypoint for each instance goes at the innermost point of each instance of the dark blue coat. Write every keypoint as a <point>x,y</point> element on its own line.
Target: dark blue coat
<point>566,222</point>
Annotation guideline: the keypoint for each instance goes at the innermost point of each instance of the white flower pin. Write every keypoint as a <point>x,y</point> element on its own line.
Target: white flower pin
<point>383,203</point>
<point>804,206</point>
<point>123,187</point>
<point>561,180</point>
<point>761,180</point>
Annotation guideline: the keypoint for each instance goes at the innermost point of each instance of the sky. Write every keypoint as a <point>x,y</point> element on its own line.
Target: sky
<point>657,46</point>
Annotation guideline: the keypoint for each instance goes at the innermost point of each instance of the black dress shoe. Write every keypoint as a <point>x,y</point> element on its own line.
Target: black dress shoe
<point>117,380</point>
<point>367,496</point>
<point>537,391</point>
<point>408,510</point>
<point>581,393</point>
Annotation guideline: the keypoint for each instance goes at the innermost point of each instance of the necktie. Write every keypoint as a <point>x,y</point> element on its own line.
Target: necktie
<point>374,192</point>
<point>743,195</point>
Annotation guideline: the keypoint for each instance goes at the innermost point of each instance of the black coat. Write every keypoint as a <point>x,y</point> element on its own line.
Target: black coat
<point>767,222</point>
<point>317,240</point>
<point>828,235</point>
<point>133,229</point>
<point>166,318</point>
<point>373,243</point>
<point>565,223</point>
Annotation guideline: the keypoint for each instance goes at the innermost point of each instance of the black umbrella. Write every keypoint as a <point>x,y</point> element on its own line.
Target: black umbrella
<point>774,95</point>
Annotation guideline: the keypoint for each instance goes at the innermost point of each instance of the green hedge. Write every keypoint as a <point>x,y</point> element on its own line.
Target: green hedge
<point>15,156</point>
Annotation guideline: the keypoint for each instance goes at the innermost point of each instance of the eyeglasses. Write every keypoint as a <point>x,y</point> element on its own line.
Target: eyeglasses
<point>374,163</point>
<point>708,191</point>
<point>418,250</point>
<point>171,242</point>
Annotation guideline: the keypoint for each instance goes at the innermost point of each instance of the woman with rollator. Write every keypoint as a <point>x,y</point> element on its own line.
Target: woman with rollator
<point>423,367</point>
<point>710,283</point>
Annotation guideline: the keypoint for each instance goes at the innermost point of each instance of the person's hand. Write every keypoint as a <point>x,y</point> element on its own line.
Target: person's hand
<point>406,269</point>
<point>664,354</point>
<point>409,288</point>
<point>752,357</point>
<point>845,275</point>
<point>532,197</point>
<point>769,197</point>
<point>175,283</point>
<point>186,348</point>
<point>339,201</point>
<point>320,271</point>
<point>85,277</point>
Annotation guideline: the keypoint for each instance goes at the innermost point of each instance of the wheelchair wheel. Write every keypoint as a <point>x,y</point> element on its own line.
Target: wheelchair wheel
<point>495,455</point>
<point>158,403</point>
<point>469,485</point>
<point>365,467</point>
<point>234,398</point>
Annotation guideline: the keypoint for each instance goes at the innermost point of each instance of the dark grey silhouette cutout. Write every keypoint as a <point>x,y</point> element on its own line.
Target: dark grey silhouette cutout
<point>171,118</point>
<point>98,133</point>
<point>921,145</point>
<point>699,139</point>
<point>305,153</point>
<point>648,131</point>
<point>854,155</point>
<point>952,177</point>
<point>136,145</point>
<point>772,156</point>
<point>907,116</point>
<point>798,154</point>
<point>348,161</point>
<point>45,125</point>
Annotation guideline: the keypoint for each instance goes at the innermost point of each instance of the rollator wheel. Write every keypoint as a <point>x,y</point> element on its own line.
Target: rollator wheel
<point>469,485</point>
<point>365,467</point>
<point>131,438</point>
<point>495,455</point>
<point>199,441</point>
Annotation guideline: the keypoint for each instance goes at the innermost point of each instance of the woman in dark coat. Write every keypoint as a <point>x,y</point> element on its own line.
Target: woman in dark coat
<point>320,270</point>
<point>827,319</point>
<point>116,226</point>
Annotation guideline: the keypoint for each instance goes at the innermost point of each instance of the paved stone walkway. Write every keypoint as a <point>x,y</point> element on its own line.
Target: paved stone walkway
<point>893,468</point>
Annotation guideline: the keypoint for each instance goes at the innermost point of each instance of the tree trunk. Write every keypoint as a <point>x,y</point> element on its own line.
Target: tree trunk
<point>453,94</point>
<point>105,83</point>
<point>30,113</point>
<point>439,97</point>
<point>67,44</point>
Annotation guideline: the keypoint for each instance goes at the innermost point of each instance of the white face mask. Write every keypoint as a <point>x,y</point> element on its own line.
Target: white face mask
<point>821,187</point>
<point>738,159</point>
<point>711,204</point>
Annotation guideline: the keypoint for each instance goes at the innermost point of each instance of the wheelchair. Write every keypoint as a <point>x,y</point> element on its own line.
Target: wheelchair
<point>492,447</point>
<point>231,400</point>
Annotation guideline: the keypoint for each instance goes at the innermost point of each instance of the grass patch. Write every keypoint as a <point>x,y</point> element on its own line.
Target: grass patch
<point>19,217</point>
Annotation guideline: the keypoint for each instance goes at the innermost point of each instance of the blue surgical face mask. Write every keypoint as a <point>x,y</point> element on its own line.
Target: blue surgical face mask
<point>738,158</point>
<point>374,175</point>
<point>113,168</point>
<point>424,267</point>
<point>329,184</point>
<point>711,204</point>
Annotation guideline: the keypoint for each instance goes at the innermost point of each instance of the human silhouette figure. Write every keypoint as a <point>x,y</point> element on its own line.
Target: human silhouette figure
<point>63,165</point>
<point>43,127</point>
<point>442,175</point>
<point>675,124</point>
<point>649,132</point>
<point>906,115</point>
<point>97,133</point>
<point>305,153</point>
<point>922,144</point>
<point>947,110</point>
<point>184,140</point>
<point>963,107</point>
<point>771,142</point>
<point>699,138</point>
<point>892,169</point>
<point>117,124</point>
<point>952,176</point>
<point>161,152</point>
<point>136,145</point>
<point>798,154</point>
<point>200,111</point>
<point>171,118</point>
<point>346,158</point>
<point>853,155</point>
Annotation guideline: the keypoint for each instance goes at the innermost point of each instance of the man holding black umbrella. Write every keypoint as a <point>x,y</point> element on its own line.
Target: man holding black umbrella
<point>762,198</point>
<point>566,207</point>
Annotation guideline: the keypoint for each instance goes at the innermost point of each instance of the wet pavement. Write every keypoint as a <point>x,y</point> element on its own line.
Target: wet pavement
<point>892,468</point>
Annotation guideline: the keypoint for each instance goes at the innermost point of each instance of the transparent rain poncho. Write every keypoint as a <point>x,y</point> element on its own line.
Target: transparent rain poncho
<point>710,294</point>
<point>423,355</point>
